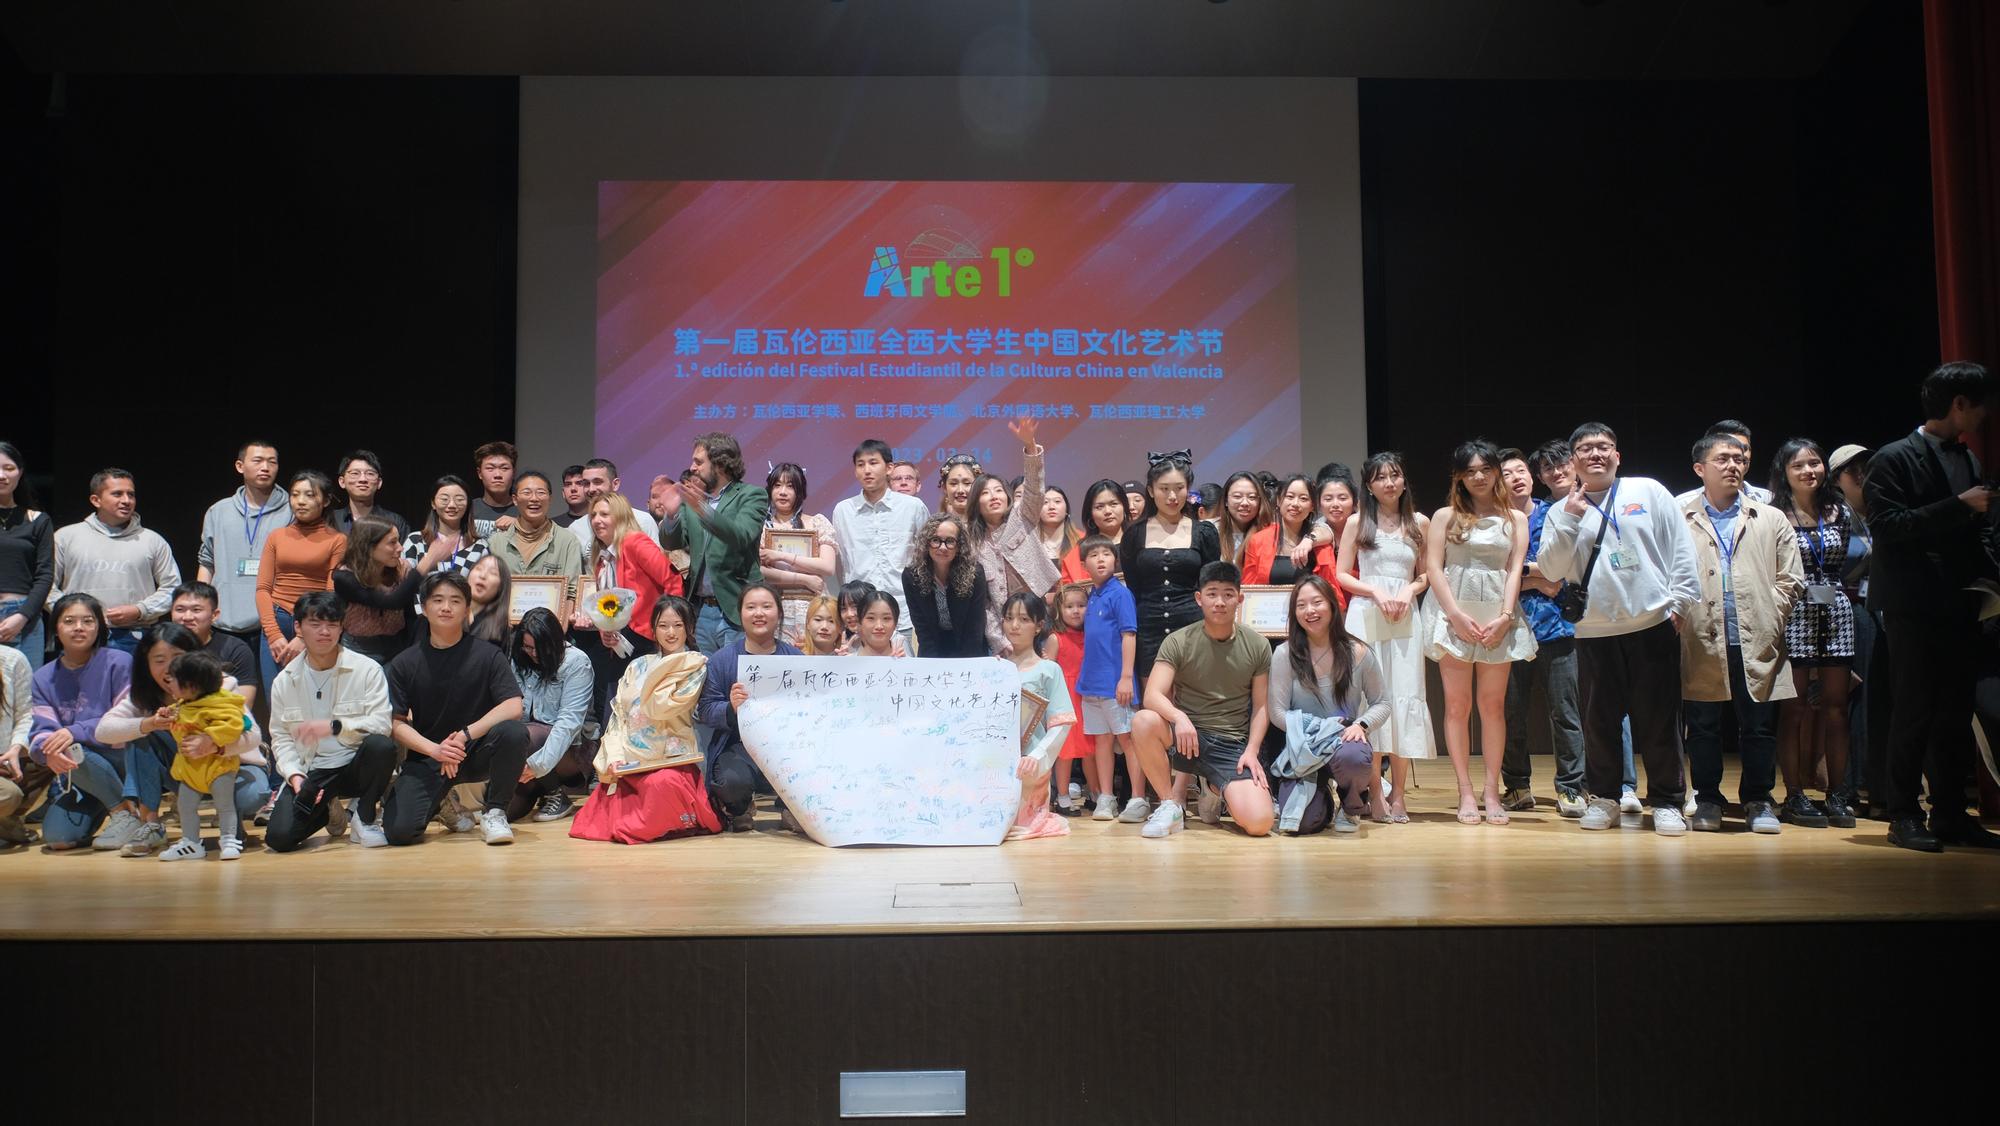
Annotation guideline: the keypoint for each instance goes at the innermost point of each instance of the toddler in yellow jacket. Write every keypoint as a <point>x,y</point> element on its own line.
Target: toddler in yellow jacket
<point>204,708</point>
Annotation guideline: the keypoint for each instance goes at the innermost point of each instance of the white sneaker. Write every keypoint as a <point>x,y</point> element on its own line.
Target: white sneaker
<point>1687,807</point>
<point>186,848</point>
<point>1668,821</point>
<point>1165,821</point>
<point>1208,803</point>
<point>1601,813</point>
<point>1136,810</point>
<point>366,835</point>
<point>493,826</point>
<point>1076,793</point>
<point>1342,823</point>
<point>1107,808</point>
<point>1628,802</point>
<point>231,848</point>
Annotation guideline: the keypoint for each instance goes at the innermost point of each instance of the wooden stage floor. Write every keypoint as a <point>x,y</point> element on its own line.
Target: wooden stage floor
<point>1433,872</point>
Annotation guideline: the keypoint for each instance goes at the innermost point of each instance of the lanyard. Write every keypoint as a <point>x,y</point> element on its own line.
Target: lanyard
<point>1725,542</point>
<point>1608,508</point>
<point>251,527</point>
<point>1817,546</point>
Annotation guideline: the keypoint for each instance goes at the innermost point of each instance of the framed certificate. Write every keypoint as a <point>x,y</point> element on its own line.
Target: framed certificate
<point>586,589</point>
<point>791,541</point>
<point>547,592</point>
<point>1266,609</point>
<point>1032,707</point>
<point>792,606</point>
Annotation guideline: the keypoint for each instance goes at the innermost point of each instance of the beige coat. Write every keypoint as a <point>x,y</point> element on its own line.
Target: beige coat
<point>1767,577</point>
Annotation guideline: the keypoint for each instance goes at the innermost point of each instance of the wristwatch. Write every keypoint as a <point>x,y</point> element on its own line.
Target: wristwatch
<point>334,727</point>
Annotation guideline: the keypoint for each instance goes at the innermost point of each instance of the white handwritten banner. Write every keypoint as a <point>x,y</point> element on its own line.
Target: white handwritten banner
<point>880,750</point>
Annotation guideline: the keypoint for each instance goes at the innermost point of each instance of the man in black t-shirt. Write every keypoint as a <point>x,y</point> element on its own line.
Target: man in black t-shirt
<point>194,607</point>
<point>457,708</point>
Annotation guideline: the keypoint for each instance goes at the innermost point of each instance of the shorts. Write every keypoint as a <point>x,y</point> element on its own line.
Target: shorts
<point>1104,715</point>
<point>1218,762</point>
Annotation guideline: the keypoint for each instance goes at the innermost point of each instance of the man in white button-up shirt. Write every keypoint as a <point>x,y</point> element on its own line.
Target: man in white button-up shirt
<point>875,530</point>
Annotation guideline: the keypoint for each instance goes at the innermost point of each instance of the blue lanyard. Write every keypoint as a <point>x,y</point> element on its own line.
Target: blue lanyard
<point>1605,510</point>
<point>1817,545</point>
<point>1725,543</point>
<point>251,527</point>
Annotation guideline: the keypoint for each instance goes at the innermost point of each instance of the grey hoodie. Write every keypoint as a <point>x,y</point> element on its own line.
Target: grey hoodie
<point>232,555</point>
<point>116,566</point>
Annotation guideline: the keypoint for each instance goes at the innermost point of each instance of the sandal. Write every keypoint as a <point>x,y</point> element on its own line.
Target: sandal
<point>1468,816</point>
<point>1398,815</point>
<point>1496,814</point>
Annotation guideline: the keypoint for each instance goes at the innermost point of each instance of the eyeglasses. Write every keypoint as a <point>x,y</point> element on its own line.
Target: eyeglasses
<point>944,544</point>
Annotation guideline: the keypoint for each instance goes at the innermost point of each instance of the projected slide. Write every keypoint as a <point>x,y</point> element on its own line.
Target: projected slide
<point>803,316</point>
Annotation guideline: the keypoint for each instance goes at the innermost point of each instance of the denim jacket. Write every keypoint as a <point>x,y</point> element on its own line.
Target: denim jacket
<point>1541,610</point>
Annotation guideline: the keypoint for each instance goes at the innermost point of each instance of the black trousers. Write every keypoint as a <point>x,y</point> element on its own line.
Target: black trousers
<point>1635,674</point>
<point>495,758</point>
<point>296,817</point>
<point>732,780</point>
<point>1932,665</point>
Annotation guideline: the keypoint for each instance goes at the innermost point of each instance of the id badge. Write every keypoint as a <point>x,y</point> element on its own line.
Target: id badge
<point>247,568</point>
<point>1622,560</point>
<point>1821,594</point>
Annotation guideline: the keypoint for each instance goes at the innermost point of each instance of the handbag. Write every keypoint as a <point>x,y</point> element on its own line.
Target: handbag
<point>1574,598</point>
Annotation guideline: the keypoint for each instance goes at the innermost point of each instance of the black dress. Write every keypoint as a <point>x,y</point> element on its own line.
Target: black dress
<point>965,636</point>
<point>1163,582</point>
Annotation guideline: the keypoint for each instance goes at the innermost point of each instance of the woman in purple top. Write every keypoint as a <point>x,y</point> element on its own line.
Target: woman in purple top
<point>71,695</point>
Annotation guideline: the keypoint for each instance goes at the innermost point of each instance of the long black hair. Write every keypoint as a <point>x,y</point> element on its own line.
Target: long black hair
<point>148,695</point>
<point>1160,469</point>
<point>1299,646</point>
<point>1365,505</point>
<point>24,497</point>
<point>1826,498</point>
<point>1088,522</point>
<point>539,623</point>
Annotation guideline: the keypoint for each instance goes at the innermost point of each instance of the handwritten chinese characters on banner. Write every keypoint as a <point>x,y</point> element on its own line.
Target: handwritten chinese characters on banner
<point>876,750</point>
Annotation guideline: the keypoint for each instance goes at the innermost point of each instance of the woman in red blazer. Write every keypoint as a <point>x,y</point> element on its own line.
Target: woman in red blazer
<point>1267,554</point>
<point>638,564</point>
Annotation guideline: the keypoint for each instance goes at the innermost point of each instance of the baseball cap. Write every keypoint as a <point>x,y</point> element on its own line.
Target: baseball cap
<point>1842,456</point>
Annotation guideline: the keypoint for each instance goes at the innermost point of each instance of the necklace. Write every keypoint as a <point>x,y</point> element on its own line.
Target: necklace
<point>319,684</point>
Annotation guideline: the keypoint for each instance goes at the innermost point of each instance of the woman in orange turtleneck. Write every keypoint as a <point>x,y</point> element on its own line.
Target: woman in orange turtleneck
<point>293,564</point>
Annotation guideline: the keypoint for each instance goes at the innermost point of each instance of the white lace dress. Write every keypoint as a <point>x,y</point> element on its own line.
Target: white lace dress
<point>1398,647</point>
<point>1477,572</point>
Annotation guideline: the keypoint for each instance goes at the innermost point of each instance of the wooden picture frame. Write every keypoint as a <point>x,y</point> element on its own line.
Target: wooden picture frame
<point>529,592</point>
<point>802,542</point>
<point>1266,609</point>
<point>1032,708</point>
<point>786,600</point>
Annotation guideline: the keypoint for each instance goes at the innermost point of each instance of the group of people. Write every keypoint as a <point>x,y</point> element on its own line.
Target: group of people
<point>335,667</point>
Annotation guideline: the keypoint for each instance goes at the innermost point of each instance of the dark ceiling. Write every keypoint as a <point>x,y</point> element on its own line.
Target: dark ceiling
<point>1643,39</point>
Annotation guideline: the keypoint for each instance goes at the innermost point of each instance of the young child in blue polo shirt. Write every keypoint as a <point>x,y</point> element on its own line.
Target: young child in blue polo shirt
<point>1104,683</point>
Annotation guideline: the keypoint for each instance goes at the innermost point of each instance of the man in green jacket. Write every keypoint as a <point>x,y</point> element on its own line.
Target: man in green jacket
<point>719,520</point>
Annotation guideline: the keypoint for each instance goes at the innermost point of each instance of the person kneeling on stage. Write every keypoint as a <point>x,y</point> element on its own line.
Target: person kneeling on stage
<point>732,777</point>
<point>330,728</point>
<point>1205,712</point>
<point>457,709</point>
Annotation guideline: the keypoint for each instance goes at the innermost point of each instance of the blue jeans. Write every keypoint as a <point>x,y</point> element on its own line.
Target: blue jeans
<point>1756,739</point>
<point>712,631</point>
<point>31,640</point>
<point>264,659</point>
<point>149,761</point>
<point>125,640</point>
<point>84,796</point>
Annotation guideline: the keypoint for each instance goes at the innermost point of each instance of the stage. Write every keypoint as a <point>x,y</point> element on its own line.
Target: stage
<point>1418,972</point>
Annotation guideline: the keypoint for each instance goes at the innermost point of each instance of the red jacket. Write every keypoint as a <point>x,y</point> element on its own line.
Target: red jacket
<point>643,567</point>
<point>1262,548</point>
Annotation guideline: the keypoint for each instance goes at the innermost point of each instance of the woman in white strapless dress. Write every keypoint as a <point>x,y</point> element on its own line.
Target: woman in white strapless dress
<point>1471,628</point>
<point>1381,549</point>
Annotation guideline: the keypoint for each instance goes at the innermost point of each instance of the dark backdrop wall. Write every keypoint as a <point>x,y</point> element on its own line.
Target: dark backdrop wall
<point>325,261</point>
<point>330,261</point>
<point>1654,255</point>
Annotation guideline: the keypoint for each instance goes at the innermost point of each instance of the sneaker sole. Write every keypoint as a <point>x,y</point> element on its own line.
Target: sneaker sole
<point>1174,828</point>
<point>541,820</point>
<point>1667,832</point>
<point>1591,828</point>
<point>1767,830</point>
<point>501,841</point>
<point>1124,820</point>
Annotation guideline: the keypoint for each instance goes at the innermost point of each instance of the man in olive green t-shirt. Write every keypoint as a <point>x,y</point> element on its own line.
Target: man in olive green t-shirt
<point>1204,711</point>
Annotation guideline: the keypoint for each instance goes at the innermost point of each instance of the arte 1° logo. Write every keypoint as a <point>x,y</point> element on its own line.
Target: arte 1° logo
<point>944,265</point>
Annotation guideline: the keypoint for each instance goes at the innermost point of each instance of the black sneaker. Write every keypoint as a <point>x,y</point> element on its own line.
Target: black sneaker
<point>1707,818</point>
<point>1838,813</point>
<point>554,806</point>
<point>1799,810</point>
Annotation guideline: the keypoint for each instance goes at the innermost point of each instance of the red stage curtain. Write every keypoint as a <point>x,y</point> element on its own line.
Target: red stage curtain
<point>1961,62</point>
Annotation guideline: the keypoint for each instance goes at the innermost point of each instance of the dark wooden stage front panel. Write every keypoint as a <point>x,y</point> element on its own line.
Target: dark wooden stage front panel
<point>1826,1023</point>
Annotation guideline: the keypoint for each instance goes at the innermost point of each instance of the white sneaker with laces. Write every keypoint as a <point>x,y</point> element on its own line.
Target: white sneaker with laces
<point>1136,810</point>
<point>493,826</point>
<point>1668,821</point>
<point>1164,821</point>
<point>453,816</point>
<point>1107,808</point>
<point>1601,813</point>
<point>1628,802</point>
<point>366,835</point>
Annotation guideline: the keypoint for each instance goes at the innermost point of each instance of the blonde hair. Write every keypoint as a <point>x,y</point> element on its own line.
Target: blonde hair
<point>623,524</point>
<point>1067,589</point>
<point>820,602</point>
